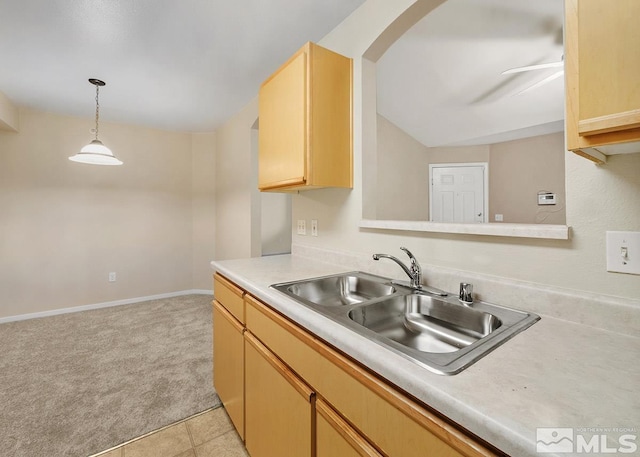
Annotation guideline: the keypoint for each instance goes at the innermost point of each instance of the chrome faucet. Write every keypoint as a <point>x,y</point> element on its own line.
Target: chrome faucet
<point>414,271</point>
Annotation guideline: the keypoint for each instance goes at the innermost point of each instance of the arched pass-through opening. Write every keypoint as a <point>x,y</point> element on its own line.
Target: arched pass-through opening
<point>371,188</point>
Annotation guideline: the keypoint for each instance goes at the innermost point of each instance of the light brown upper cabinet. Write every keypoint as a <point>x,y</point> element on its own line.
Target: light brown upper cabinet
<point>602,64</point>
<point>305,130</point>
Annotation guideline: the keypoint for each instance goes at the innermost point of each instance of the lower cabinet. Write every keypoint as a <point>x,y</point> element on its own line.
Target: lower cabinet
<point>279,406</point>
<point>303,398</point>
<point>228,373</point>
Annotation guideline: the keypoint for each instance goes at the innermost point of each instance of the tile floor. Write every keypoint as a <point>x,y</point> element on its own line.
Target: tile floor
<point>210,434</point>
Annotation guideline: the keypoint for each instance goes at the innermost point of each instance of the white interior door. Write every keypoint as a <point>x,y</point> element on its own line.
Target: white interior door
<point>458,192</point>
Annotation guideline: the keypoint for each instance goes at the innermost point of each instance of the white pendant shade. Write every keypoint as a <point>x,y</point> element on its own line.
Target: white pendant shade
<point>96,153</point>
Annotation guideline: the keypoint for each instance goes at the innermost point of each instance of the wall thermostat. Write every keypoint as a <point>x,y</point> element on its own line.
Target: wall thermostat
<point>546,198</point>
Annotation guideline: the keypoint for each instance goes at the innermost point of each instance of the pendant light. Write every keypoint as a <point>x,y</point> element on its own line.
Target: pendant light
<point>95,152</point>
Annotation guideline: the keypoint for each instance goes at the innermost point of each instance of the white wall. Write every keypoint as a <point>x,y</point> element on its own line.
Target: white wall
<point>518,170</point>
<point>9,117</point>
<point>203,204</point>
<point>402,192</point>
<point>64,226</point>
<point>275,233</point>
<point>234,185</point>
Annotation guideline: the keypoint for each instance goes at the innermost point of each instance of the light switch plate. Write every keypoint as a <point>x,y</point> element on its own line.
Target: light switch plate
<point>623,252</point>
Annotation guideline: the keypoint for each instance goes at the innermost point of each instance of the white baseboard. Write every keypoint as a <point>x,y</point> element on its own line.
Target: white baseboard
<point>199,292</point>
<point>127,301</point>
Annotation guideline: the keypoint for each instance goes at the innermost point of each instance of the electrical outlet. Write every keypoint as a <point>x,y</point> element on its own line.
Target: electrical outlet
<point>314,227</point>
<point>302,227</point>
<point>112,276</point>
<point>499,218</point>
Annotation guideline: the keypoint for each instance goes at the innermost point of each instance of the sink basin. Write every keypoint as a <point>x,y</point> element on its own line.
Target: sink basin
<point>425,323</point>
<point>338,290</point>
<point>436,332</point>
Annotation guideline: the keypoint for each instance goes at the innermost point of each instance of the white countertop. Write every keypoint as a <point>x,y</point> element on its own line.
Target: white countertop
<point>554,374</point>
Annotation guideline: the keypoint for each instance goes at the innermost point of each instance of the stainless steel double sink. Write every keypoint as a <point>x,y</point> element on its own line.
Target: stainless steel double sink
<point>437,332</point>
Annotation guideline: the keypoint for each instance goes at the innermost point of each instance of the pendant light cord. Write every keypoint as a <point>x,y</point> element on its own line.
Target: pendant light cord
<point>97,109</point>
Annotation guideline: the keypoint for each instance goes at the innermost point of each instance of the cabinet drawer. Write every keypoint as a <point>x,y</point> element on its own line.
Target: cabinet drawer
<point>229,295</point>
<point>394,423</point>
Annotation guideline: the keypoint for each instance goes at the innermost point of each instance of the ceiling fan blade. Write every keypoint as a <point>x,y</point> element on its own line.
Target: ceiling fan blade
<point>542,82</point>
<point>560,63</point>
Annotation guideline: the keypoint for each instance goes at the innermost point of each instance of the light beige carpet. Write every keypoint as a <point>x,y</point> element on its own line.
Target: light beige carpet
<point>76,384</point>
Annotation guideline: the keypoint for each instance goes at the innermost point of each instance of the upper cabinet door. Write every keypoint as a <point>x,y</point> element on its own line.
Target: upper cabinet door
<point>305,128</point>
<point>602,63</point>
<point>283,119</point>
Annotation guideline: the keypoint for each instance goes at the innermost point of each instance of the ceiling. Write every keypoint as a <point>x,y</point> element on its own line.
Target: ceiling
<point>183,65</point>
<point>441,82</point>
